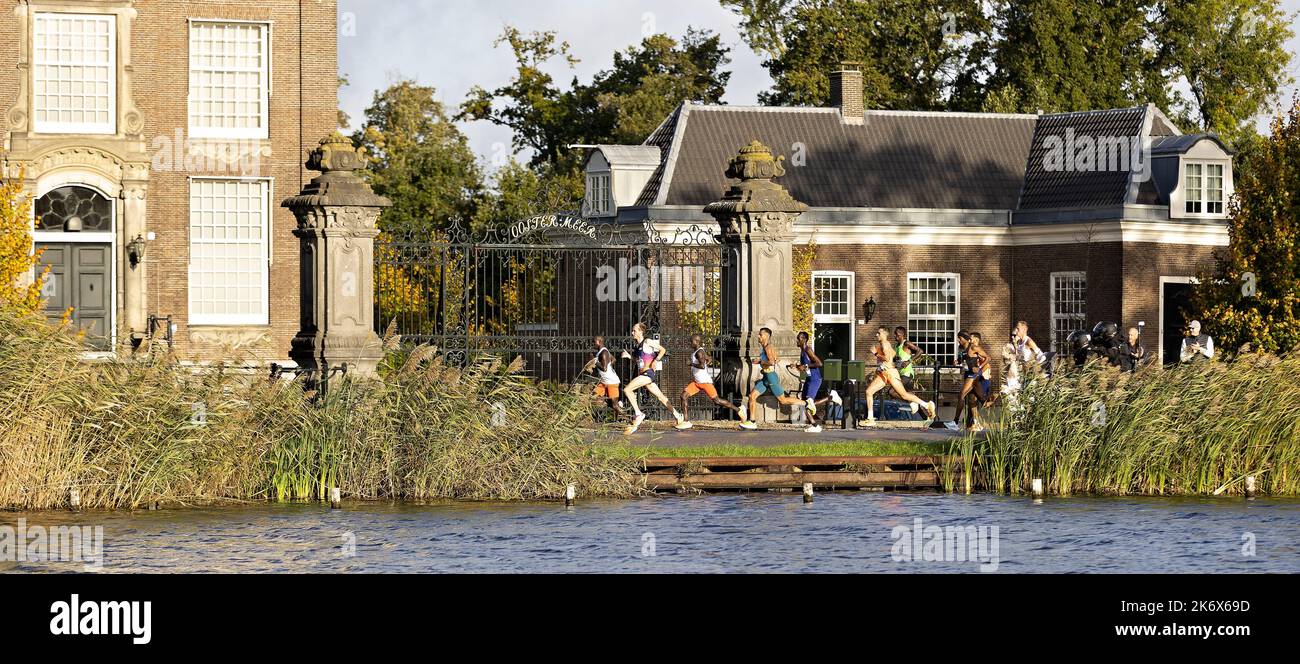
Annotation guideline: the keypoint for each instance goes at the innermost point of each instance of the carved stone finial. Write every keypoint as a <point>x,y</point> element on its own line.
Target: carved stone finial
<point>335,153</point>
<point>755,162</point>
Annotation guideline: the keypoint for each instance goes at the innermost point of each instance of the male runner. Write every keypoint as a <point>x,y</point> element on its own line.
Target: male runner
<point>702,381</point>
<point>887,376</point>
<point>603,365</point>
<point>768,381</point>
<point>811,365</point>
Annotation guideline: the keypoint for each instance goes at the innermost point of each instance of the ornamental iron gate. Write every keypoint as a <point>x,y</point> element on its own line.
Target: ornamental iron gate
<point>542,288</point>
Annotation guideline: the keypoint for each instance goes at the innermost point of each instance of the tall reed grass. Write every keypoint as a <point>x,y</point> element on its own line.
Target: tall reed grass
<point>1187,430</point>
<point>129,433</point>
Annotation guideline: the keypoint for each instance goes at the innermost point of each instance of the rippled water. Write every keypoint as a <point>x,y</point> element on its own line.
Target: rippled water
<point>839,532</point>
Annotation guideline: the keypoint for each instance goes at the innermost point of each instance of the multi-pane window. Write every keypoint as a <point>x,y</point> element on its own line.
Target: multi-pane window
<point>831,298</point>
<point>1204,188</point>
<point>74,73</point>
<point>933,310</point>
<point>1069,304</point>
<point>229,79</point>
<point>228,251</point>
<point>599,200</point>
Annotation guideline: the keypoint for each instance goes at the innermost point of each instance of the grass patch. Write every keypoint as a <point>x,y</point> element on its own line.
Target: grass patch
<point>125,433</point>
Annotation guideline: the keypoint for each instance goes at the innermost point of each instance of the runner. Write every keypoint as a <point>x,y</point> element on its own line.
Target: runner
<point>811,365</point>
<point>701,381</point>
<point>906,352</point>
<point>768,380</point>
<point>649,359</point>
<point>974,362</point>
<point>603,365</point>
<point>887,375</point>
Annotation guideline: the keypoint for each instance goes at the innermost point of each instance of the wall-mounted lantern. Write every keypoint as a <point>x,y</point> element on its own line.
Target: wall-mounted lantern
<point>869,309</point>
<point>135,250</point>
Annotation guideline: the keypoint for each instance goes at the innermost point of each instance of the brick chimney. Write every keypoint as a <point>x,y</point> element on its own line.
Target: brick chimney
<point>846,92</point>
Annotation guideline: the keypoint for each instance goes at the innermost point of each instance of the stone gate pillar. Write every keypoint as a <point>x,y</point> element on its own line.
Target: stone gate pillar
<point>336,213</point>
<point>757,218</point>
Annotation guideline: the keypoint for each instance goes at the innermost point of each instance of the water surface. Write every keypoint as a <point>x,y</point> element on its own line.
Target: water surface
<point>759,532</point>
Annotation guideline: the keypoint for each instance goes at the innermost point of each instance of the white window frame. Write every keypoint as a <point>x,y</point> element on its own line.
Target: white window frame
<point>262,132</point>
<point>955,277</point>
<point>1053,316</point>
<point>837,319</point>
<point>261,318</point>
<point>93,237</point>
<point>1202,197</point>
<point>47,127</point>
<point>598,205</point>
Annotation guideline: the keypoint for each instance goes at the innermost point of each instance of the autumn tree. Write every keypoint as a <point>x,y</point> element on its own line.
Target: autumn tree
<point>18,292</point>
<point>620,105</point>
<point>1253,294</point>
<point>419,159</point>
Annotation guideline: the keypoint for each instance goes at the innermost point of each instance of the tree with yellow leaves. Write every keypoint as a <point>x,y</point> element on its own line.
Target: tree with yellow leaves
<point>1253,294</point>
<point>18,292</point>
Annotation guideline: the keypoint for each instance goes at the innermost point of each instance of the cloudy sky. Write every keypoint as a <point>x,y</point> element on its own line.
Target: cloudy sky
<point>448,44</point>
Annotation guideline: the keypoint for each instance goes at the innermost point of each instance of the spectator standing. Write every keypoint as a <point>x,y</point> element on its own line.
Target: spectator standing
<point>1131,352</point>
<point>1197,347</point>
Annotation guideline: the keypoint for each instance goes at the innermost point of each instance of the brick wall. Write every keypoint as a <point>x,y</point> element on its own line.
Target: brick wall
<point>303,109</point>
<point>1031,282</point>
<point>881,272</point>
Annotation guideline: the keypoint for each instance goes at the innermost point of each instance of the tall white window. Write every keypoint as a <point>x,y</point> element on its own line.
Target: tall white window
<point>229,79</point>
<point>1204,186</point>
<point>934,313</point>
<point>599,199</point>
<point>74,73</point>
<point>1069,306</point>
<point>228,251</point>
<point>831,293</point>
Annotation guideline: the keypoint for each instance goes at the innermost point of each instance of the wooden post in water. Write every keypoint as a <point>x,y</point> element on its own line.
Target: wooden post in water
<point>570,495</point>
<point>807,492</point>
<point>1038,488</point>
<point>336,498</point>
<point>1250,486</point>
<point>74,498</point>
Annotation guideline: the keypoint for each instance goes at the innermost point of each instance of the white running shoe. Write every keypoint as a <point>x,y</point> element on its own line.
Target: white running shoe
<point>813,429</point>
<point>916,407</point>
<point>631,429</point>
<point>835,398</point>
<point>744,413</point>
<point>870,421</point>
<point>934,410</point>
<point>683,425</point>
<point>951,426</point>
<point>636,421</point>
<point>678,416</point>
<point>812,406</point>
<point>749,425</point>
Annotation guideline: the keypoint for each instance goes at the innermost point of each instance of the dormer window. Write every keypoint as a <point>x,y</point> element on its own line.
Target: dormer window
<point>600,202</point>
<point>1204,185</point>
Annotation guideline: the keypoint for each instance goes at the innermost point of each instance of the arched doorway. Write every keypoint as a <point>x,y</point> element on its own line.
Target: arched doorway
<point>75,234</point>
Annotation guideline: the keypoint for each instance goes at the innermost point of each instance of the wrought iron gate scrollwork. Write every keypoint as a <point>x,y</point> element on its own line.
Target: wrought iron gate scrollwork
<point>543,287</point>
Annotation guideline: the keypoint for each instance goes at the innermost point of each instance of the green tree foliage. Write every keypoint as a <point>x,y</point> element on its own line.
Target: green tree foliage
<point>914,54</point>
<point>1063,55</point>
<point>1232,53</point>
<point>1253,295</point>
<point>419,159</point>
<point>621,105</point>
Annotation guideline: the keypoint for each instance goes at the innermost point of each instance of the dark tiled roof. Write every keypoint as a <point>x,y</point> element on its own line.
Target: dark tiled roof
<point>893,160</point>
<point>662,138</point>
<point>1054,187</point>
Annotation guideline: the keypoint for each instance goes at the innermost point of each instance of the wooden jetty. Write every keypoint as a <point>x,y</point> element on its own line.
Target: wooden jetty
<point>826,473</point>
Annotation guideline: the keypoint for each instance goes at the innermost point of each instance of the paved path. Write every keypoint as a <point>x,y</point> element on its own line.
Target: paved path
<point>774,436</point>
